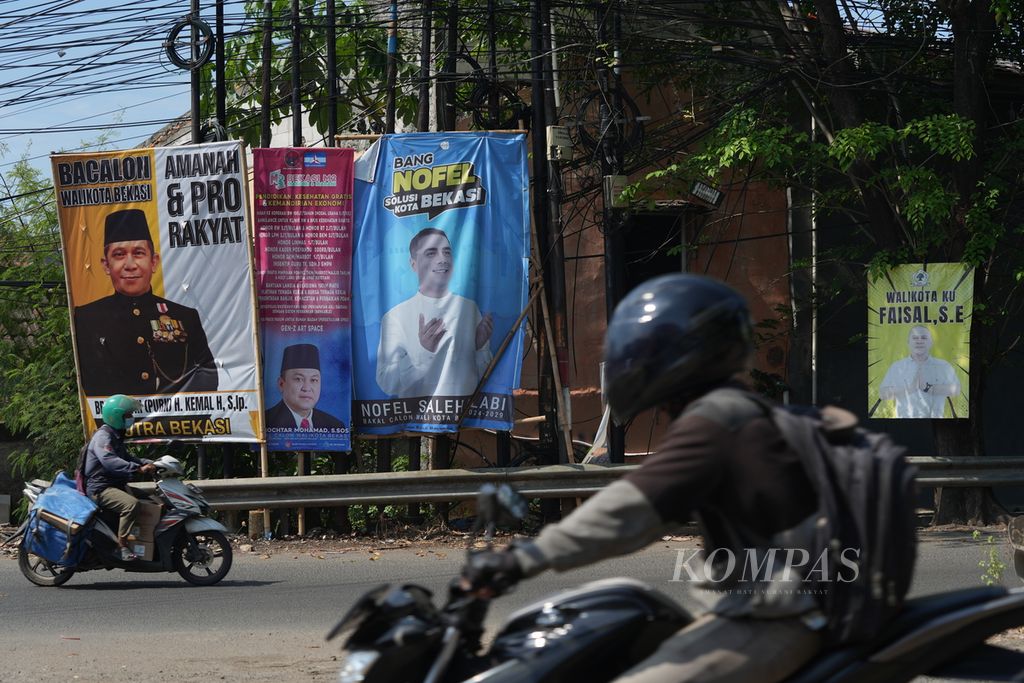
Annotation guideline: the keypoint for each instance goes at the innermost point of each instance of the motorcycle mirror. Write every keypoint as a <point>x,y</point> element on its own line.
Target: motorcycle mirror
<point>1015,530</point>
<point>1018,563</point>
<point>513,505</point>
<point>487,505</point>
<point>499,505</point>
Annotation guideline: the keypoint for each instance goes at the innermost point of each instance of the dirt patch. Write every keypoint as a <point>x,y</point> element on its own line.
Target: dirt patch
<point>329,541</point>
<point>321,540</point>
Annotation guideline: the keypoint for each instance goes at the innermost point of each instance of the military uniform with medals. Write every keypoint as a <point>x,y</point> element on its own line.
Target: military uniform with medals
<point>142,345</point>
<point>139,344</point>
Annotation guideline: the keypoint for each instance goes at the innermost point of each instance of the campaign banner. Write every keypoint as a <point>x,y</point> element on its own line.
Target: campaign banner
<point>303,217</point>
<point>919,341</point>
<point>159,272</point>
<point>440,264</point>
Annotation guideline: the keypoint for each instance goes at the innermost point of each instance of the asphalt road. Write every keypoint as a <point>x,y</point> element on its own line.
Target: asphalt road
<point>267,620</point>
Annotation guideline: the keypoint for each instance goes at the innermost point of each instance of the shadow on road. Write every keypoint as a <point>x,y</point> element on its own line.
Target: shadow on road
<point>137,585</point>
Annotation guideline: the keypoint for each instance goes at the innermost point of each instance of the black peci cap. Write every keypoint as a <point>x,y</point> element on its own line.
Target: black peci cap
<point>300,356</point>
<point>126,226</point>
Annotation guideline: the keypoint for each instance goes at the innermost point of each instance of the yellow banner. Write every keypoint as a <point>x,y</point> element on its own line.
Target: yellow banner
<point>158,264</point>
<point>919,335</point>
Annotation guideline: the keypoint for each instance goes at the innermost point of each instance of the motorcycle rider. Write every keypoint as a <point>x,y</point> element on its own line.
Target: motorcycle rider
<point>109,466</point>
<point>671,342</point>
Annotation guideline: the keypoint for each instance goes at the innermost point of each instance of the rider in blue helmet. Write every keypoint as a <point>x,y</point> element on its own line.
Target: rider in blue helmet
<point>109,467</point>
<point>681,343</point>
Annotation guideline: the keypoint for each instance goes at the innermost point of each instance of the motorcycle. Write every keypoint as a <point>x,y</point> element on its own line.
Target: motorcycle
<point>186,540</point>
<point>395,634</point>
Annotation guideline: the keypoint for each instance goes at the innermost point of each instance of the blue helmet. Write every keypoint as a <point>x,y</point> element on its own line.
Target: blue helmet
<point>673,337</point>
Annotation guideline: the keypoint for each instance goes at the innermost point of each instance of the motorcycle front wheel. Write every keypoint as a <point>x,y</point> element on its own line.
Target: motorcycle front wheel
<point>203,557</point>
<point>40,571</point>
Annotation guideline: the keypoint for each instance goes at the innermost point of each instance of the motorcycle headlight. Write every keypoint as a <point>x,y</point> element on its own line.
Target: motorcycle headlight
<point>356,664</point>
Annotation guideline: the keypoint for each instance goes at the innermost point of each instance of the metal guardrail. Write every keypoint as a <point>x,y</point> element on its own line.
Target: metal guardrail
<point>435,486</point>
<point>969,471</point>
<point>556,481</point>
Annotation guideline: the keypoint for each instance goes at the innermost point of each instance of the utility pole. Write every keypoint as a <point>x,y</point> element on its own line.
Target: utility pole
<point>332,74</point>
<point>392,69</point>
<point>265,97</point>
<point>611,167</point>
<point>423,114</point>
<point>446,95</point>
<point>541,220</point>
<point>296,75</point>
<point>503,440</point>
<point>197,135</point>
<point>222,114</point>
<point>554,284</point>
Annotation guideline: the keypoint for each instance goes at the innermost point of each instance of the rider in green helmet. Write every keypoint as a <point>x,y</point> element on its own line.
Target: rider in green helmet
<point>109,466</point>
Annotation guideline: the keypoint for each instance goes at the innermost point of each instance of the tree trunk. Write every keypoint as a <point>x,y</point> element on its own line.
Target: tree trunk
<point>973,27</point>
<point>965,438</point>
<point>973,506</point>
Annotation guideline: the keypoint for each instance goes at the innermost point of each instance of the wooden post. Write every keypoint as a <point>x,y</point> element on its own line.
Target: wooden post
<point>342,462</point>
<point>228,472</point>
<point>257,525</point>
<point>561,397</point>
<point>301,512</point>
<point>413,444</point>
<point>265,472</point>
<point>503,448</point>
<point>383,465</point>
<point>440,454</point>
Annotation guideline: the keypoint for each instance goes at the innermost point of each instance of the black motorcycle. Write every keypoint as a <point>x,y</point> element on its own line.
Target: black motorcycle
<point>395,634</point>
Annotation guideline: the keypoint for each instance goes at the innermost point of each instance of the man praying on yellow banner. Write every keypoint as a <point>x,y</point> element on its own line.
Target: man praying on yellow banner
<point>920,383</point>
<point>134,342</point>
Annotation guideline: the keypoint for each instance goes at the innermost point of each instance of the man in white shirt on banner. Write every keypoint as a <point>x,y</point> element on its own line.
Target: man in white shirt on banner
<point>920,384</point>
<point>435,343</point>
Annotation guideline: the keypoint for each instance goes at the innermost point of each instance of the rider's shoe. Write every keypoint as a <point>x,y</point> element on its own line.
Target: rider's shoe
<point>127,555</point>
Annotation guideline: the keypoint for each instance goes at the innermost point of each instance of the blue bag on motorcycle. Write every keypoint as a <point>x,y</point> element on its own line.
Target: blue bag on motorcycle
<point>59,523</point>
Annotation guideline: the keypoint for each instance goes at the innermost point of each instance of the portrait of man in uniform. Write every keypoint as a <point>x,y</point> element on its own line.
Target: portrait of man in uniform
<point>435,343</point>
<point>132,341</point>
<point>299,384</point>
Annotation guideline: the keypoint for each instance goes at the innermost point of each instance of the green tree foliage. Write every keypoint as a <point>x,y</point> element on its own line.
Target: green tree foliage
<point>903,116</point>
<point>37,371</point>
<point>361,49</point>
<point>362,34</point>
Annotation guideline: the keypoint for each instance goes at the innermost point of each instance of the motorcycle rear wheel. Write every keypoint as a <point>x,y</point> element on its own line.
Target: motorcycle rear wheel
<point>40,571</point>
<point>207,562</point>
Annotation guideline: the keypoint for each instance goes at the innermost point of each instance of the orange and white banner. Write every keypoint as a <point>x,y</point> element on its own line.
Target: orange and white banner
<point>158,263</point>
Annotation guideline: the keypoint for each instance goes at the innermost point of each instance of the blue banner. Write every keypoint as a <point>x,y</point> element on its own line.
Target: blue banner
<point>440,276</point>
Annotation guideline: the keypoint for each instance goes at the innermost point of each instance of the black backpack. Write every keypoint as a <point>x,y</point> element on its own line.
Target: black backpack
<point>868,525</point>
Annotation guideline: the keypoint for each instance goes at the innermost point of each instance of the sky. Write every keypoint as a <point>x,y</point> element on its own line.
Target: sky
<point>73,70</point>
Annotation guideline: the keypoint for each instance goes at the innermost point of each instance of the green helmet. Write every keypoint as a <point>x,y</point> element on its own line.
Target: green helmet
<point>118,411</point>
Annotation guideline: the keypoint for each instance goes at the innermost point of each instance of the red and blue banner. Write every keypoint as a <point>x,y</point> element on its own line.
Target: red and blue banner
<point>303,219</point>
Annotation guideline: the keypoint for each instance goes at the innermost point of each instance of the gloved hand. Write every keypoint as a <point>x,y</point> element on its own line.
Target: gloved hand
<point>491,572</point>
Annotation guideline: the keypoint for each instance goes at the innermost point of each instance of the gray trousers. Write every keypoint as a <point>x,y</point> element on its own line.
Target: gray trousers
<point>716,649</point>
<point>124,504</point>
